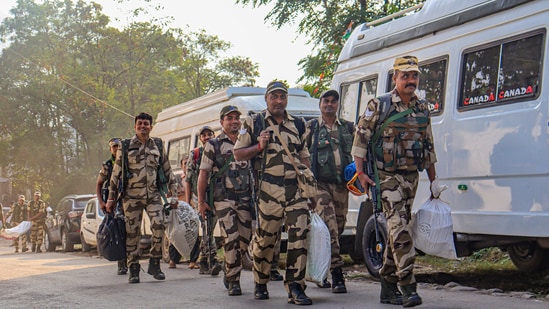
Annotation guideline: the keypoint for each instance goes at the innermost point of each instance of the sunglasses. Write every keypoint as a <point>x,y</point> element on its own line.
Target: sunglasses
<point>357,191</point>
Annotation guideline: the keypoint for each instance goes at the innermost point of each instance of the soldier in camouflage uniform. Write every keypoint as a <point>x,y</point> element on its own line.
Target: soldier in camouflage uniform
<point>191,181</point>
<point>102,189</point>
<point>329,140</point>
<point>279,196</point>
<point>399,157</point>
<point>232,196</point>
<point>144,158</point>
<point>37,214</point>
<point>19,213</point>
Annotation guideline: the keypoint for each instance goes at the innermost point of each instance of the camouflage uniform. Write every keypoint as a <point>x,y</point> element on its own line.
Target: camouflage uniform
<point>142,194</point>
<point>205,248</point>
<point>332,195</point>
<point>398,183</point>
<point>18,213</point>
<point>279,201</point>
<point>37,229</point>
<point>232,200</point>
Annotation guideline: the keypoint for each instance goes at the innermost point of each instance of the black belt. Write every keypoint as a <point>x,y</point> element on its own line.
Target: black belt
<point>236,196</point>
<point>279,180</point>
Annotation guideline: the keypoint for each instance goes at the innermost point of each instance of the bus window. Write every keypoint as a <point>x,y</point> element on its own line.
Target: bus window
<point>355,96</point>
<point>432,84</point>
<point>504,72</point>
<point>348,101</point>
<point>368,89</point>
<point>177,149</point>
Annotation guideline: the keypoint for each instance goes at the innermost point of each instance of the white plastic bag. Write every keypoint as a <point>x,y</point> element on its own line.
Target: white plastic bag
<point>16,231</point>
<point>182,228</point>
<point>319,250</point>
<point>433,229</point>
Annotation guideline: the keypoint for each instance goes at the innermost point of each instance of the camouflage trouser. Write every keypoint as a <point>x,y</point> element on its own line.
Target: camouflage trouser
<point>277,205</point>
<point>23,238</point>
<point>397,195</point>
<point>236,221</point>
<point>133,215</point>
<point>37,233</point>
<point>332,206</point>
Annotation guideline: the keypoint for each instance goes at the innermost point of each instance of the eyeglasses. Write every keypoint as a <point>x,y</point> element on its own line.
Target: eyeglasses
<point>357,191</point>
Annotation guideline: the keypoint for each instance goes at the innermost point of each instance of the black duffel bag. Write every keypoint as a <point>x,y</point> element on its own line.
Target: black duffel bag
<point>111,238</point>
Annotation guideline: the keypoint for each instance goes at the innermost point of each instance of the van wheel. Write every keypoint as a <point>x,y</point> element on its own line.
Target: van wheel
<point>66,244</point>
<point>85,246</point>
<point>528,257</point>
<point>373,249</point>
<point>47,243</point>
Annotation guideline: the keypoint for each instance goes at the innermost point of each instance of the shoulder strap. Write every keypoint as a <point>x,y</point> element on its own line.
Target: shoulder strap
<point>385,104</point>
<point>300,125</point>
<point>124,161</point>
<point>219,173</point>
<point>388,121</point>
<point>315,130</point>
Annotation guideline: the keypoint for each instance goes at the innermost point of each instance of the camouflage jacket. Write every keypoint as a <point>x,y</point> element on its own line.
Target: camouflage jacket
<point>368,123</point>
<point>143,163</point>
<point>216,153</point>
<point>37,207</point>
<point>277,162</point>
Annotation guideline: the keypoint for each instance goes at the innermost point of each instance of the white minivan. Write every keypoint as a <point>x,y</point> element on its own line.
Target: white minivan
<point>484,72</point>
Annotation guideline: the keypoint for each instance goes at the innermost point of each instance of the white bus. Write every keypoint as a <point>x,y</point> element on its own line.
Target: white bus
<point>484,69</point>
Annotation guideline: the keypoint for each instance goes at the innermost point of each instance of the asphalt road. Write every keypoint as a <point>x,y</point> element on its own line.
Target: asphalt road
<point>76,280</point>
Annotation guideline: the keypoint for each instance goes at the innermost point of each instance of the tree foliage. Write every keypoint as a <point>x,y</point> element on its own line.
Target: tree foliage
<point>324,23</point>
<point>69,81</point>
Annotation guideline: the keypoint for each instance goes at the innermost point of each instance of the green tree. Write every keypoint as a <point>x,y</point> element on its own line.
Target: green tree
<point>324,23</point>
<point>69,82</point>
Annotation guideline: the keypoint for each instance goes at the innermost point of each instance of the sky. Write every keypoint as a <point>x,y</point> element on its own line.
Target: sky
<point>276,51</point>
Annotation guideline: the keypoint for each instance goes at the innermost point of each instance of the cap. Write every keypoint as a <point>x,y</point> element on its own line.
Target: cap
<point>204,128</point>
<point>22,197</point>
<point>114,141</point>
<point>328,93</point>
<point>406,64</point>
<point>276,85</point>
<point>38,193</point>
<point>227,110</point>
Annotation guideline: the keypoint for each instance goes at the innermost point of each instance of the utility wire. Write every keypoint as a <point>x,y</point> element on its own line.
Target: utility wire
<point>73,86</point>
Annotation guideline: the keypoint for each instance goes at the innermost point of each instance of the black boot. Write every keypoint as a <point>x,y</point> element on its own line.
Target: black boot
<point>324,284</point>
<point>276,276</point>
<point>338,281</point>
<point>154,269</point>
<point>296,295</point>
<point>134,273</point>
<point>122,267</point>
<point>409,296</point>
<point>234,288</point>
<point>215,267</point>
<point>389,293</point>
<point>261,291</point>
<point>204,268</point>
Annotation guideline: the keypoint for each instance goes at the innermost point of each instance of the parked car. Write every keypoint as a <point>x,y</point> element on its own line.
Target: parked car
<point>91,220</point>
<point>89,224</point>
<point>63,222</point>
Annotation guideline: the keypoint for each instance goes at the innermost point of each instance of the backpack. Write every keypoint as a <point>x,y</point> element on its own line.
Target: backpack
<point>196,157</point>
<point>259,124</point>
<point>105,187</point>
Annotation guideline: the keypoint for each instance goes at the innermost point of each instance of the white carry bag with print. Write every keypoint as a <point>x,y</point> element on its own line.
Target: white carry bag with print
<point>319,250</point>
<point>433,229</point>
<point>182,228</point>
<point>16,231</point>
